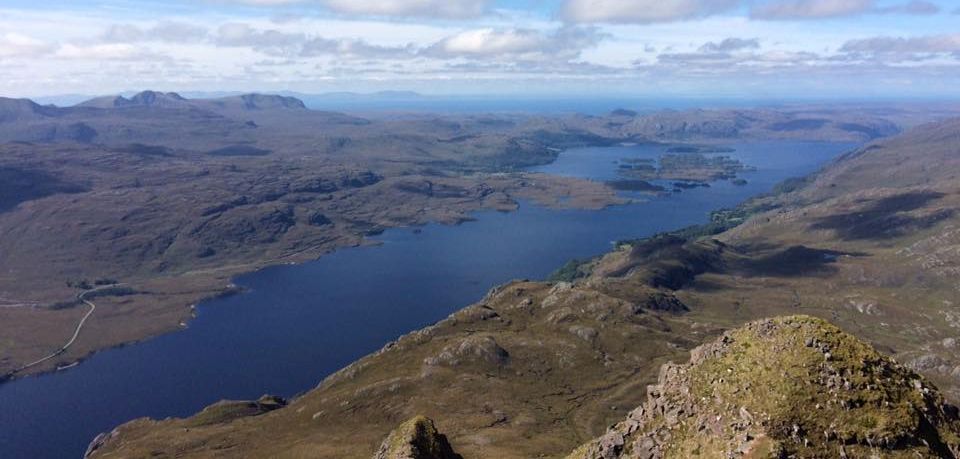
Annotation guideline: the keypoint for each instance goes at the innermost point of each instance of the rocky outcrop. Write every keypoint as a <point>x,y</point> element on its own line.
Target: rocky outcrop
<point>787,387</point>
<point>255,224</point>
<point>417,438</point>
<point>482,350</point>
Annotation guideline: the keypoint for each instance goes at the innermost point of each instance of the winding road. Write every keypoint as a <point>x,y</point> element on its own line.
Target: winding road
<point>76,333</point>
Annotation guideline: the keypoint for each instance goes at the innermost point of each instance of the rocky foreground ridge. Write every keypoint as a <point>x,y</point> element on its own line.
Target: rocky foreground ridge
<point>788,387</point>
<point>776,388</point>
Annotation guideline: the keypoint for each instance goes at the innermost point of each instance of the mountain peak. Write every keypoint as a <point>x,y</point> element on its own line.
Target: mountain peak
<point>787,387</point>
<point>141,99</point>
<point>150,98</point>
<point>21,109</point>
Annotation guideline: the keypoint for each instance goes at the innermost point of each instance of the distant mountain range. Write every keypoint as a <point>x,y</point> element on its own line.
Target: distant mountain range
<point>69,100</point>
<point>174,100</point>
<point>112,119</point>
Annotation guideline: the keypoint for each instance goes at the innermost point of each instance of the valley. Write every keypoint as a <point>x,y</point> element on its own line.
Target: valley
<point>480,229</point>
<point>175,219</point>
<point>291,326</point>
<point>868,243</point>
<point>175,196</point>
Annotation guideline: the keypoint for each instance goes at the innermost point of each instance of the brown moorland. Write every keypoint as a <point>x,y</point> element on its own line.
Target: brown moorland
<point>172,197</point>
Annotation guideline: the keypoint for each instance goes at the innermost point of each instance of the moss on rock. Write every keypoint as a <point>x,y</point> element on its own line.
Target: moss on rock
<point>416,438</point>
<point>787,387</point>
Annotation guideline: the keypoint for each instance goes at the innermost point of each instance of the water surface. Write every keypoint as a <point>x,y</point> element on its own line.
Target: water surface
<point>298,324</point>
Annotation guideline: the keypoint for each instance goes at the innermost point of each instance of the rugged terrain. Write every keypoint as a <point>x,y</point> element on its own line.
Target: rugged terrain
<point>538,368</point>
<point>788,387</point>
<point>172,197</point>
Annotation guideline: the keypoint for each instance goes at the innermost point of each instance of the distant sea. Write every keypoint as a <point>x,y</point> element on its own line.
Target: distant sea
<point>391,102</point>
<point>525,105</point>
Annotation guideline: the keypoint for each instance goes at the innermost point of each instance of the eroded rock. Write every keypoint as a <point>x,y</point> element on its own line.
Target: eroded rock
<point>417,438</point>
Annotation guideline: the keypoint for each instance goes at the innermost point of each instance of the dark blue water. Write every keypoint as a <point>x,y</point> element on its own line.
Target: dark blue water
<point>298,324</point>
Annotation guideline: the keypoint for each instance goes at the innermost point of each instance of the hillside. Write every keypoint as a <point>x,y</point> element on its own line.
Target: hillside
<point>787,387</point>
<point>749,394</point>
<point>875,253</point>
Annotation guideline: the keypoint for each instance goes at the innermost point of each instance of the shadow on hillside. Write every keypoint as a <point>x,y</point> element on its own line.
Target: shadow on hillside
<point>793,261</point>
<point>885,219</point>
<point>20,185</point>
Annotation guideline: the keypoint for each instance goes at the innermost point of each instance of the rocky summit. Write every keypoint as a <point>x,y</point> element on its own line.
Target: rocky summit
<point>787,387</point>
<point>417,438</point>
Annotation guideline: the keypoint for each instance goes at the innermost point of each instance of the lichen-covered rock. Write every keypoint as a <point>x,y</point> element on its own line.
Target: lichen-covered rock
<point>788,387</point>
<point>417,438</point>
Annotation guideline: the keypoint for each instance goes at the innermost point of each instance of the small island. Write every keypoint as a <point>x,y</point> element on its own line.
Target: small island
<point>700,149</point>
<point>687,168</point>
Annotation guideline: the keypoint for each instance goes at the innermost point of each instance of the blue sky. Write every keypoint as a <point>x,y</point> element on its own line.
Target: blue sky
<point>638,48</point>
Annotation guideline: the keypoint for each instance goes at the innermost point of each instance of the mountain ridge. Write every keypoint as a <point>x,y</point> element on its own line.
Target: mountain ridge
<point>251,101</point>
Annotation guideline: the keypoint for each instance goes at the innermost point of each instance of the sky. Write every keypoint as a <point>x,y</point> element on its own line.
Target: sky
<point>552,48</point>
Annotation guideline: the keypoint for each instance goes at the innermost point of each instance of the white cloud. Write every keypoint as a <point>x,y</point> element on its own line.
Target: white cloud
<point>730,44</point>
<point>111,51</point>
<point>821,9</point>
<point>811,9</point>
<point>269,2</point>
<point>932,44</point>
<point>446,9</point>
<point>490,41</point>
<point>165,31</point>
<point>454,9</point>
<point>342,48</point>
<point>295,44</point>
<point>641,11</point>
<point>249,49</point>
<point>918,7</point>
<point>564,43</point>
<point>515,43</point>
<point>270,41</point>
<point>13,44</point>
<point>176,32</point>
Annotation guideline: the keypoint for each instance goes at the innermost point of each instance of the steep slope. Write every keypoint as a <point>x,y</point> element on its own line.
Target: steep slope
<point>871,242</point>
<point>928,155</point>
<point>787,387</point>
